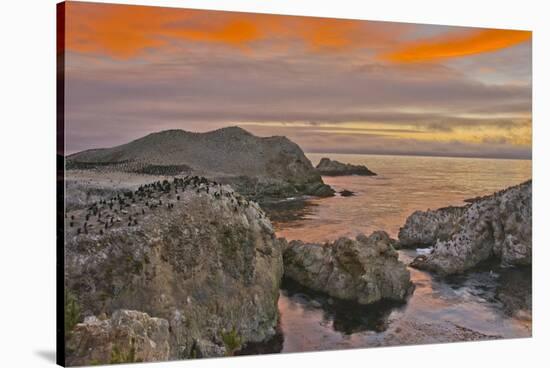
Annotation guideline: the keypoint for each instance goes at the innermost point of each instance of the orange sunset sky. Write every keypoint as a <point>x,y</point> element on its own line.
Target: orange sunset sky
<point>330,85</point>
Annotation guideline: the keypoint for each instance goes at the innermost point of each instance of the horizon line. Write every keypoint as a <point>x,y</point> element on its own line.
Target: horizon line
<point>412,154</point>
<point>528,157</point>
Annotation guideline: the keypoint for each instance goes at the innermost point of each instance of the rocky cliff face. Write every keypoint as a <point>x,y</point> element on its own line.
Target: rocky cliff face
<point>330,167</point>
<point>128,336</point>
<point>256,167</point>
<point>365,270</point>
<point>190,251</point>
<point>496,226</point>
<point>424,228</point>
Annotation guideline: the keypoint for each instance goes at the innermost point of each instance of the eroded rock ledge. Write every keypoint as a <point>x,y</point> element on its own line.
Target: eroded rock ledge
<point>330,167</point>
<point>425,228</point>
<point>365,270</point>
<point>496,226</point>
<point>128,336</point>
<point>188,251</point>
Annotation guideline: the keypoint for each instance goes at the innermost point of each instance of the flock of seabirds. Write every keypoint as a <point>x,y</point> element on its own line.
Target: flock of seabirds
<point>129,207</point>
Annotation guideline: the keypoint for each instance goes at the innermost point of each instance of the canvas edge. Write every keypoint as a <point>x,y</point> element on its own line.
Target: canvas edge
<point>60,182</point>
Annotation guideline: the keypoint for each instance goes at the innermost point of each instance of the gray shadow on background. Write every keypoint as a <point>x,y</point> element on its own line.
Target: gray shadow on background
<point>48,355</point>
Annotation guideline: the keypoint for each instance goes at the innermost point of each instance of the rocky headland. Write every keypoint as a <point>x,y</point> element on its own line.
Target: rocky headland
<point>261,168</point>
<point>491,227</point>
<point>188,256</point>
<point>330,167</point>
<point>364,270</point>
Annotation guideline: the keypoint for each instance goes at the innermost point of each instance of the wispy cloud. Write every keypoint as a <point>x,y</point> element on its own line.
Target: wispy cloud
<point>122,31</point>
<point>456,44</point>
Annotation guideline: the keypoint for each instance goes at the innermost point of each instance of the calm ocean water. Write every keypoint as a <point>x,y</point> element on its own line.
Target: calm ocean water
<point>404,184</point>
<point>469,307</point>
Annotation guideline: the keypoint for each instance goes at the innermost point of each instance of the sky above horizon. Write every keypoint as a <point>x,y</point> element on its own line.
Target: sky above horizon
<point>330,85</point>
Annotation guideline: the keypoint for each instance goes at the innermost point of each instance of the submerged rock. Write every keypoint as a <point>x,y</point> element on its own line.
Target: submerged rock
<point>319,190</point>
<point>496,226</point>
<point>330,167</point>
<point>346,193</point>
<point>189,251</point>
<point>365,270</point>
<point>127,337</point>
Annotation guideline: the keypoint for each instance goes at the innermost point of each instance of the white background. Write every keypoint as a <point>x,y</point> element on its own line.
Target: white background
<point>27,181</point>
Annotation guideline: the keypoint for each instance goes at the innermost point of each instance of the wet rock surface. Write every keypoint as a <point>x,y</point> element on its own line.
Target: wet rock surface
<point>515,292</point>
<point>330,167</point>
<point>190,251</point>
<point>365,270</point>
<point>496,226</point>
<point>412,332</point>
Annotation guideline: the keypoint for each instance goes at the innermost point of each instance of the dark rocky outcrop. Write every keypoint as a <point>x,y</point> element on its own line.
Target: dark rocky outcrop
<point>330,167</point>
<point>515,291</point>
<point>496,226</point>
<point>424,228</point>
<point>346,193</point>
<point>127,337</point>
<point>188,251</point>
<point>365,270</point>
<point>258,167</point>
